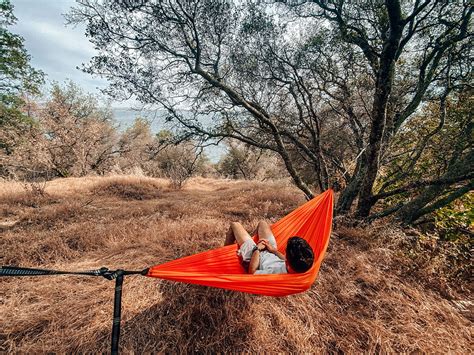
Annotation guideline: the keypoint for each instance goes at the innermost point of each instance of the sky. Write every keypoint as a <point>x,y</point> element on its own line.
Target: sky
<point>55,48</point>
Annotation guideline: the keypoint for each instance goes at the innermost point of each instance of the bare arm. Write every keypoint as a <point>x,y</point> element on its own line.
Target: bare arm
<point>280,255</point>
<point>254,261</point>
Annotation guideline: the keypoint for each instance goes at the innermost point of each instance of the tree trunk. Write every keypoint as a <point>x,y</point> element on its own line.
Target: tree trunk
<point>324,173</point>
<point>295,176</point>
<point>348,195</point>
<point>321,173</point>
<point>383,87</point>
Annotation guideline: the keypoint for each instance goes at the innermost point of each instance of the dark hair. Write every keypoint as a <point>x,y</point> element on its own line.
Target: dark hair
<point>299,254</point>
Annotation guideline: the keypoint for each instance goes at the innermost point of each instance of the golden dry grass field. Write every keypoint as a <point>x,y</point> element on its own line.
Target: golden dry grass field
<point>368,296</point>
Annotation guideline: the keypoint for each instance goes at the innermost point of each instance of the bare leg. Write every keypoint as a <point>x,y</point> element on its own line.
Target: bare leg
<point>264,230</point>
<point>229,237</point>
<point>236,233</point>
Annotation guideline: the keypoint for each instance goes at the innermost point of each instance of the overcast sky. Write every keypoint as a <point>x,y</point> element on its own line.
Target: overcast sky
<point>55,48</point>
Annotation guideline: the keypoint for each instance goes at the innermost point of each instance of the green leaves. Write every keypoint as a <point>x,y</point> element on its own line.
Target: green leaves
<point>456,219</point>
<point>17,76</point>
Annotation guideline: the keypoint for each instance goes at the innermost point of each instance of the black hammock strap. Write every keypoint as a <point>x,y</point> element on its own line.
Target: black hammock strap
<point>116,275</point>
<point>103,271</point>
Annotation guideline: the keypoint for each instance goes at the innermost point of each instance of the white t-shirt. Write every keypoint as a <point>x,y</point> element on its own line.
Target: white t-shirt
<point>271,264</point>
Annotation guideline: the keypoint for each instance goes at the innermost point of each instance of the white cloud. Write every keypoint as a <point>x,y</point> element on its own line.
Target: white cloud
<point>56,49</point>
<point>61,37</point>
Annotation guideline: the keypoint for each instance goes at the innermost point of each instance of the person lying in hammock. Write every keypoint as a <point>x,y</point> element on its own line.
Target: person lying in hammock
<point>263,257</point>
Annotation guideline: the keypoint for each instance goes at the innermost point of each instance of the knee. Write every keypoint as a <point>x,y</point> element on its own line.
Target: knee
<point>262,224</point>
<point>234,225</point>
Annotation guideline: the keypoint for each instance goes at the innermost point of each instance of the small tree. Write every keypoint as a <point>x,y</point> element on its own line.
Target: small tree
<point>248,162</point>
<point>78,134</point>
<point>70,136</point>
<point>177,160</point>
<point>161,155</point>
<point>135,147</point>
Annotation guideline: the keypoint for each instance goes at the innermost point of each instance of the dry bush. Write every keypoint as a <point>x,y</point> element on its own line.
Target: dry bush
<point>247,162</point>
<point>135,148</point>
<point>363,300</point>
<point>25,193</point>
<point>141,190</point>
<point>35,187</point>
<point>180,162</point>
<point>82,186</point>
<point>159,155</point>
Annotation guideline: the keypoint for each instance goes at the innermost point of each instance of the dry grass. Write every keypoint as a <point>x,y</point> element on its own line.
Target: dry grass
<point>363,300</point>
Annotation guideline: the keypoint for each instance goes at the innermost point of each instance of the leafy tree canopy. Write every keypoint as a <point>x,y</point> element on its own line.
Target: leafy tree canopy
<point>17,76</point>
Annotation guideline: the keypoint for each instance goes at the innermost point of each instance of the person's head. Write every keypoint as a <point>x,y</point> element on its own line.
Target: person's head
<point>299,255</point>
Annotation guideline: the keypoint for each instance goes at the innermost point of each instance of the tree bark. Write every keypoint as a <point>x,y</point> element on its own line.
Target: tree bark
<point>348,195</point>
<point>383,89</point>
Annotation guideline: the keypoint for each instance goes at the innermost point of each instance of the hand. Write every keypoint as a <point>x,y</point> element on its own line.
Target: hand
<point>267,245</point>
<point>261,245</point>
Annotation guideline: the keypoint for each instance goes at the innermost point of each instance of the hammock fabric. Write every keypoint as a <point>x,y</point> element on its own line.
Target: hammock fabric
<point>221,268</point>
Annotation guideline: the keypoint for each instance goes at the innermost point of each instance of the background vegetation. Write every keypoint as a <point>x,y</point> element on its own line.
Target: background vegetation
<point>372,99</point>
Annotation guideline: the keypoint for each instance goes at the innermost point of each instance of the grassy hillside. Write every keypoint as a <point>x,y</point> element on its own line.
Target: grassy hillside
<point>370,295</point>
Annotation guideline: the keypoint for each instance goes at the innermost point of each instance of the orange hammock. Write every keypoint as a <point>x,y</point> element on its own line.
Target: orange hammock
<point>221,268</point>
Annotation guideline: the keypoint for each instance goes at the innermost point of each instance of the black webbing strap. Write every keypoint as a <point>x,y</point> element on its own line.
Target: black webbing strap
<point>117,314</point>
<point>116,275</point>
<point>26,271</point>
